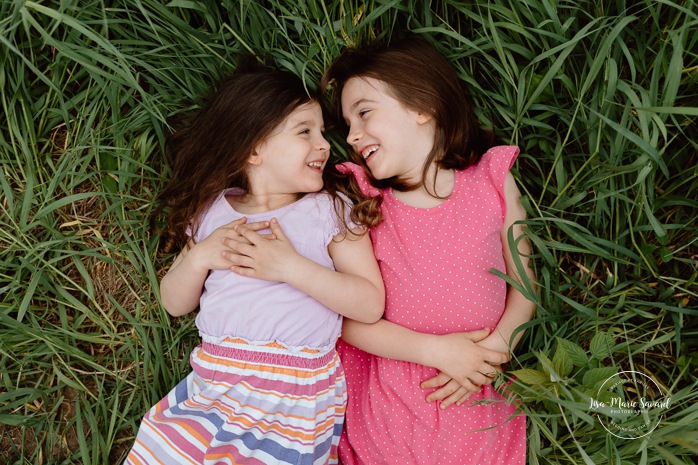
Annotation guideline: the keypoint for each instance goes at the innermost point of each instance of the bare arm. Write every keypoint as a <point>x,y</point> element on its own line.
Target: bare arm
<point>518,309</point>
<point>354,289</point>
<point>456,354</point>
<point>181,287</point>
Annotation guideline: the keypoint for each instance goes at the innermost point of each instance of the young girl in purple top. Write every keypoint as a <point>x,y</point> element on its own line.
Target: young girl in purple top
<point>266,386</point>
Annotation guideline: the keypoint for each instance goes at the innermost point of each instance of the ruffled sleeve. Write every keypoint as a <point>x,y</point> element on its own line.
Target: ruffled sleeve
<point>337,224</point>
<point>497,162</point>
<point>360,175</point>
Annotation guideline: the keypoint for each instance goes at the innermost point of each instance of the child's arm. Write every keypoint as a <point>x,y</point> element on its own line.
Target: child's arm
<point>456,354</point>
<point>354,289</point>
<point>181,287</point>
<point>518,310</point>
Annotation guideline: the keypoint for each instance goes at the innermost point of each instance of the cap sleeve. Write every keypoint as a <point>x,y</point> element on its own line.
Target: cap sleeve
<point>497,162</point>
<point>360,175</point>
<point>203,224</point>
<point>335,226</point>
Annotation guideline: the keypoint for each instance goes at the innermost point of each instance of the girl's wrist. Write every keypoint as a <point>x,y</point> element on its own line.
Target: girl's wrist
<point>426,346</point>
<point>299,272</point>
<point>495,341</point>
<point>192,261</point>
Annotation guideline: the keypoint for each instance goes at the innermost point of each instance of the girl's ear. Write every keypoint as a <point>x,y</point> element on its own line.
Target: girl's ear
<point>254,159</point>
<point>423,117</point>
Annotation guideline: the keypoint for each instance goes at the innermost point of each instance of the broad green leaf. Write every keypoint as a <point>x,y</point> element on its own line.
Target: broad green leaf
<point>600,346</point>
<point>578,356</point>
<point>530,376</point>
<point>594,376</point>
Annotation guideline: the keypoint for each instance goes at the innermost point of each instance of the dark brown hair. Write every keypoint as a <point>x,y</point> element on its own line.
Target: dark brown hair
<point>420,78</point>
<point>209,152</point>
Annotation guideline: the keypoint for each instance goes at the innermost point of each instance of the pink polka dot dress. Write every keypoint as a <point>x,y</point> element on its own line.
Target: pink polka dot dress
<point>436,266</point>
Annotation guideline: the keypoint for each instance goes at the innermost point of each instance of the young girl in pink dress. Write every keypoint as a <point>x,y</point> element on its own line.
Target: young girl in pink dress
<point>266,386</point>
<point>443,204</point>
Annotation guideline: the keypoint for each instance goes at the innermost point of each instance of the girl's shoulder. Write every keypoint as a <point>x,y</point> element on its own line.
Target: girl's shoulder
<point>495,163</point>
<point>500,155</point>
<point>331,213</point>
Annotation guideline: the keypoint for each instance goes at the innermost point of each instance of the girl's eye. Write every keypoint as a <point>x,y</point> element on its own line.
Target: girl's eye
<point>363,112</point>
<point>305,131</point>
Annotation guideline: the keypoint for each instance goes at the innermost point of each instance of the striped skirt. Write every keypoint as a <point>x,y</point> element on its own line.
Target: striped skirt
<point>248,404</point>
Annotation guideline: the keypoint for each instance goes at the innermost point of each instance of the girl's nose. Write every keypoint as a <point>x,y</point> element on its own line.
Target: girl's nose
<point>354,135</point>
<point>323,144</point>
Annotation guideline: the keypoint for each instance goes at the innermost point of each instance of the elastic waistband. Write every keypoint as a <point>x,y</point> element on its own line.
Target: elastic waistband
<point>272,352</point>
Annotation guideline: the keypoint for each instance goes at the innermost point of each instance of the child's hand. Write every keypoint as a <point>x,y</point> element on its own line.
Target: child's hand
<point>495,342</point>
<point>271,258</point>
<point>465,367</point>
<point>212,252</point>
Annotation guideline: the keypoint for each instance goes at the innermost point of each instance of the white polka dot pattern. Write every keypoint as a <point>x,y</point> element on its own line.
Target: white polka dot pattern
<point>436,266</point>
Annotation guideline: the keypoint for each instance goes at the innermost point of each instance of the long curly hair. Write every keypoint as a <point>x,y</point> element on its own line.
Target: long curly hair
<point>209,150</point>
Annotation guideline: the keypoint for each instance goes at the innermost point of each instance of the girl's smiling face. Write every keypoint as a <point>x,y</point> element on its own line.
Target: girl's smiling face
<point>291,159</point>
<point>393,139</point>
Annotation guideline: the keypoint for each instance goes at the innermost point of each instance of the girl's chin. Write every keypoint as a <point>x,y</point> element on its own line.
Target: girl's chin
<point>378,174</point>
<point>376,171</point>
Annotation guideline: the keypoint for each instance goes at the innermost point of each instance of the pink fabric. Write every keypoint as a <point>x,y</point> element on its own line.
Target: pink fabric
<point>358,172</point>
<point>436,266</point>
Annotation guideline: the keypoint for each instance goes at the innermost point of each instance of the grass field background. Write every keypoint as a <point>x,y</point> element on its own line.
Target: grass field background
<point>601,96</point>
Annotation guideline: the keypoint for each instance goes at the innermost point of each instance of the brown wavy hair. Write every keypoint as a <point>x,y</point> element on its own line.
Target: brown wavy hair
<point>209,150</point>
<point>419,77</point>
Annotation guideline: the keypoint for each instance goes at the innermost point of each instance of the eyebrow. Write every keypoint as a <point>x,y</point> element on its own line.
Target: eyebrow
<point>309,123</point>
<point>361,101</point>
<point>302,123</point>
<point>353,106</point>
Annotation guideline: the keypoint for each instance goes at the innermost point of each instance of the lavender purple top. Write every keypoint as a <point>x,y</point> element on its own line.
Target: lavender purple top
<point>263,311</point>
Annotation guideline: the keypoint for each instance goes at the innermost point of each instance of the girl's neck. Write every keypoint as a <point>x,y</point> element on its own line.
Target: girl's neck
<point>437,188</point>
<point>251,203</point>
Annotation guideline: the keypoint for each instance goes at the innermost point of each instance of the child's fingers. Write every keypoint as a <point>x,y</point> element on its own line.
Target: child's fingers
<point>443,392</point>
<point>276,229</point>
<point>464,397</point>
<point>244,271</point>
<point>449,389</point>
<point>436,381</point>
<point>481,379</point>
<point>490,371</point>
<point>495,358</point>
<point>257,225</point>
<point>477,335</point>
<point>458,397</point>
<point>231,242</point>
<point>250,235</point>
<point>238,239</point>
<point>240,256</point>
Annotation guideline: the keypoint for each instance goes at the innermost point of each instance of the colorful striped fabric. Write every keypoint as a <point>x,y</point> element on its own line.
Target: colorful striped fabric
<point>248,404</point>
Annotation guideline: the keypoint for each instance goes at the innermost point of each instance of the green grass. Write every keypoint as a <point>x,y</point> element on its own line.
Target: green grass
<point>601,96</point>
